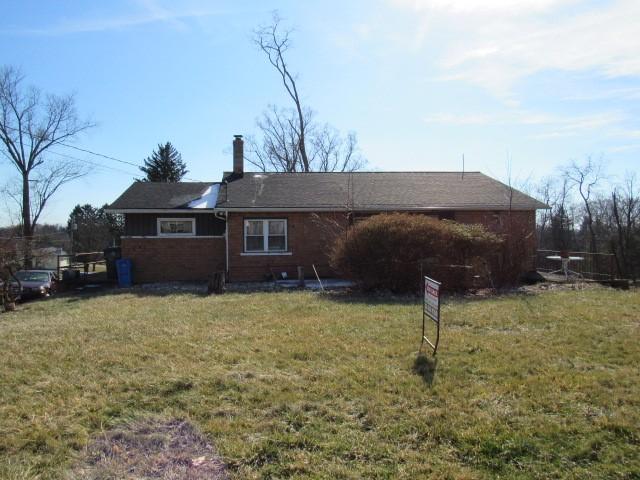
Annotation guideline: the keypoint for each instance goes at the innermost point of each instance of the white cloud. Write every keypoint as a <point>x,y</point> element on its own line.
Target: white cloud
<point>515,7</point>
<point>554,125</point>
<point>624,148</point>
<point>630,93</point>
<point>459,119</point>
<point>494,43</point>
<point>150,12</point>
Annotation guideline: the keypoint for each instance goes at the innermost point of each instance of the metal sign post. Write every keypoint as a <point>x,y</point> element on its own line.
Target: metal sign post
<point>431,309</point>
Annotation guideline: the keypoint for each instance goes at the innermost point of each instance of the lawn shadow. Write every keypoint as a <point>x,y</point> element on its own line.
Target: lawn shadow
<point>357,297</point>
<point>94,291</point>
<point>425,366</point>
<point>353,296</point>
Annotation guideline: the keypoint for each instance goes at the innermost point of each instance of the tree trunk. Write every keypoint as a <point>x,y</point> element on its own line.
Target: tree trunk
<point>302,141</point>
<point>27,230</point>
<point>216,283</point>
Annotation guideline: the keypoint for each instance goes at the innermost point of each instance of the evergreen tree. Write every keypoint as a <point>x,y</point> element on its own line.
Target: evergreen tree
<point>164,165</point>
<point>93,229</point>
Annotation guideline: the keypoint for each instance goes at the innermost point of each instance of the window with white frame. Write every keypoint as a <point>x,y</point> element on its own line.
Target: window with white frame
<point>266,235</point>
<point>176,227</point>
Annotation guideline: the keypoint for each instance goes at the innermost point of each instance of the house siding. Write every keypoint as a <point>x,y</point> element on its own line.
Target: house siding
<point>146,224</point>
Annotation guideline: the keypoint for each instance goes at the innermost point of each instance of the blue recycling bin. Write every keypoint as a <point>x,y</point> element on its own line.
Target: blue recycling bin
<point>123,267</point>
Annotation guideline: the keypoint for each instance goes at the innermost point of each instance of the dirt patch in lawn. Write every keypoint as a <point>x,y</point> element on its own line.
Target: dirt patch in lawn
<point>150,449</point>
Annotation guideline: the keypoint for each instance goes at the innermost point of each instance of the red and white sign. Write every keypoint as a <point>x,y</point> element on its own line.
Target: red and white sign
<point>432,298</point>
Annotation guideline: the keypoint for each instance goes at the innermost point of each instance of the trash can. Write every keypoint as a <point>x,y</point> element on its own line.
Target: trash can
<point>70,275</point>
<point>112,254</point>
<point>123,266</point>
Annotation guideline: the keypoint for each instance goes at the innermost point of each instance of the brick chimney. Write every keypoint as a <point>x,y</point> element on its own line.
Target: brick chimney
<point>238,156</point>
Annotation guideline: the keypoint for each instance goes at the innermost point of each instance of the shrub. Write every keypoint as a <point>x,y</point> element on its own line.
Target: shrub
<point>387,251</point>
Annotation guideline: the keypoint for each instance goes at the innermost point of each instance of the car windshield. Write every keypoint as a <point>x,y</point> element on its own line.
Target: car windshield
<point>33,276</point>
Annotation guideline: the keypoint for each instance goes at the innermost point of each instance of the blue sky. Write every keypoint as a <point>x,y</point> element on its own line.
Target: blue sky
<point>536,83</point>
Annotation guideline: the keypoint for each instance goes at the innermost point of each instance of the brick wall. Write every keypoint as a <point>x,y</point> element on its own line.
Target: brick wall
<point>522,224</point>
<point>310,237</point>
<point>174,259</point>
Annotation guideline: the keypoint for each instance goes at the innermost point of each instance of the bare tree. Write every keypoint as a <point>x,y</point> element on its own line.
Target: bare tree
<point>333,153</point>
<point>274,42</point>
<point>544,192</point>
<point>585,177</point>
<point>30,124</point>
<point>279,147</point>
<point>625,206</point>
<point>292,141</point>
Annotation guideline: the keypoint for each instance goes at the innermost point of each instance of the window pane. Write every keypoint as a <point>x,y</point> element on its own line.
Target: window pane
<point>255,244</point>
<point>253,227</point>
<point>276,227</point>
<point>277,242</point>
<point>176,227</point>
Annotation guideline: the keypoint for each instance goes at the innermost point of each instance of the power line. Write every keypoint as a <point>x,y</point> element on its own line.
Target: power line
<point>92,163</point>
<point>108,157</point>
<point>102,155</point>
<point>98,154</point>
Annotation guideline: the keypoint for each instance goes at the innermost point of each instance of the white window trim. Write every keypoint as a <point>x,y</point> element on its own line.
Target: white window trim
<point>174,235</point>
<point>265,237</point>
<point>265,254</point>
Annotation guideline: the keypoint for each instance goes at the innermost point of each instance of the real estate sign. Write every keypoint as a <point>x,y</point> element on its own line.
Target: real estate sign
<point>432,298</point>
<point>431,309</point>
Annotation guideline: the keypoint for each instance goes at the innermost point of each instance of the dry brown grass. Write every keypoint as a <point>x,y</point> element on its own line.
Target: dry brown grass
<point>152,448</point>
<point>301,385</point>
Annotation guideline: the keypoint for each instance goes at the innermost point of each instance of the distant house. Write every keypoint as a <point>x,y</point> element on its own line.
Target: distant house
<point>253,225</point>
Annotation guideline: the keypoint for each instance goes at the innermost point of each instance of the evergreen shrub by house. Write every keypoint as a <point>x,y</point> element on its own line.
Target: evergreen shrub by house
<point>385,252</point>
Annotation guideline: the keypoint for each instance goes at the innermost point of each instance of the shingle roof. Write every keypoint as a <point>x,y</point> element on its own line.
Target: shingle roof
<point>357,191</point>
<point>372,191</point>
<point>151,195</point>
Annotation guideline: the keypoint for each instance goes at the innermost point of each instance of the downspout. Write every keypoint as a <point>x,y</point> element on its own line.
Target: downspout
<point>226,239</point>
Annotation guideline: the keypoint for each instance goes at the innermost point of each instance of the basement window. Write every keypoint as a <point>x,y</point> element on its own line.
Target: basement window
<point>265,235</point>
<point>176,227</point>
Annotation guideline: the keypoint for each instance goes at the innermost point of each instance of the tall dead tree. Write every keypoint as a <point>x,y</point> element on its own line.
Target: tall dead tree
<point>275,42</point>
<point>585,177</point>
<point>30,124</point>
<point>292,140</point>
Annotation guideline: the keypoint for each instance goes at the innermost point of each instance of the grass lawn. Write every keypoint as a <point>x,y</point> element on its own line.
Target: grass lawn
<point>302,385</point>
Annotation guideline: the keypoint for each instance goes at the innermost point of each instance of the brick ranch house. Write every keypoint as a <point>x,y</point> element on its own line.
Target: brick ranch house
<point>253,225</point>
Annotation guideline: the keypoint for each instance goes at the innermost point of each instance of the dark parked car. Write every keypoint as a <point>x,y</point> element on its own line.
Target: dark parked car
<point>35,283</point>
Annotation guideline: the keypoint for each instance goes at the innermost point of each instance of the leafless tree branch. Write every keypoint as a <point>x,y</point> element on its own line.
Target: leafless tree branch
<point>30,124</point>
<point>291,139</point>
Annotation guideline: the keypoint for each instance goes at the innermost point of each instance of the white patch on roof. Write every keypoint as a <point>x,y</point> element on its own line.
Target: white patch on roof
<point>208,199</point>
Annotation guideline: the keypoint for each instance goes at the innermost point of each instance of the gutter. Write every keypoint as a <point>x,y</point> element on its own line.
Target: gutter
<point>384,209</point>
